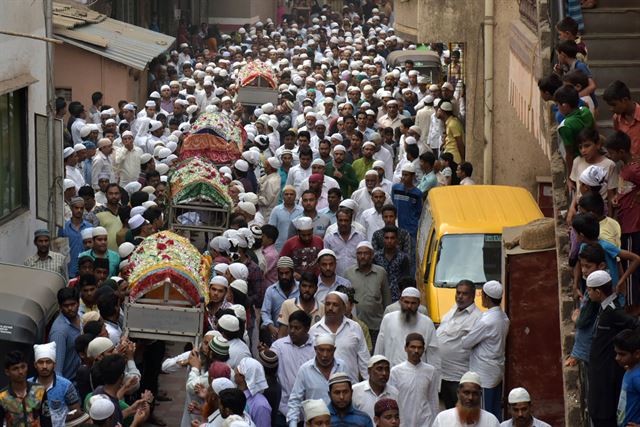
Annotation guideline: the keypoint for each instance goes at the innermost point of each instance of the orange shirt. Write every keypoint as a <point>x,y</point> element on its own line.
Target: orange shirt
<point>631,127</point>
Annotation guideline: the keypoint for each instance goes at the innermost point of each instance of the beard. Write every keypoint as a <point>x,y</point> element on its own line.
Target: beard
<point>468,415</point>
<point>408,316</point>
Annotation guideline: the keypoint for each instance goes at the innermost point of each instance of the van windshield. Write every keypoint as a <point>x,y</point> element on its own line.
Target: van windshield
<point>475,257</point>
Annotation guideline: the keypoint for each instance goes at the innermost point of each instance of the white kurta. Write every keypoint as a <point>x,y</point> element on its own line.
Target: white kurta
<point>449,418</point>
<point>128,164</point>
<point>364,398</point>
<point>455,325</point>
<point>418,387</point>
<point>394,331</point>
<point>74,174</point>
<point>269,193</point>
<point>487,341</point>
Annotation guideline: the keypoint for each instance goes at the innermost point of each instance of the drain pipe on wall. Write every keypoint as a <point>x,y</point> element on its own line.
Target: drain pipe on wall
<point>488,25</point>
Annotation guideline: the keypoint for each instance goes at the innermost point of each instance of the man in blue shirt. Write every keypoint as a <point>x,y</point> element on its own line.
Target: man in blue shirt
<point>408,201</point>
<point>285,288</point>
<point>341,408</point>
<point>72,230</point>
<point>283,214</point>
<point>61,393</point>
<point>627,347</point>
<point>64,331</point>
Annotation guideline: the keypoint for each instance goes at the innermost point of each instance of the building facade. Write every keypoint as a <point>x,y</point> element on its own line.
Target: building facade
<point>23,95</point>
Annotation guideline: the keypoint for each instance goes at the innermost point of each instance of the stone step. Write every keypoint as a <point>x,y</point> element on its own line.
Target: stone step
<point>612,20</point>
<point>606,71</point>
<point>617,3</point>
<point>612,46</point>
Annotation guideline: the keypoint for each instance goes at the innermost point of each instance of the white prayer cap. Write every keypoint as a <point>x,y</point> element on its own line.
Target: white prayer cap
<point>240,285</point>
<point>68,183</point>
<point>154,125</point>
<point>342,296</point>
<point>222,383</point>
<point>125,249</point>
<point>85,130</point>
<point>369,144</point>
<point>598,278</point>
<point>371,172</point>
<point>364,244</point>
<point>99,345</point>
<point>380,189</point>
<point>409,168</point>
<point>99,231</point>
<point>136,221</point>
<point>410,292</point>
<point>519,395</point>
<point>127,133</point>
<point>67,152</point>
<point>163,153</point>
<point>241,165</point>
<point>274,162</point>
<point>100,407</point>
<point>318,162</point>
<point>377,359</point>
<point>133,187</point>
<point>144,158</point>
<point>146,205</point>
<point>247,207</point>
<point>148,189</point>
<point>493,289</point>
<point>410,140</point>
<point>150,103</point>
<point>229,323</point>
<point>324,339</point>
<point>239,271</point>
<point>138,210</point>
<point>303,223</point>
<point>87,233</point>
<point>240,311</point>
<point>45,351</point>
<point>162,168</point>
<point>219,280</point>
<point>378,164</point>
<point>339,147</point>
<point>78,147</point>
<point>446,106</point>
<point>337,136</point>
<point>313,408</point>
<point>471,377</point>
<point>349,204</point>
<point>326,252</point>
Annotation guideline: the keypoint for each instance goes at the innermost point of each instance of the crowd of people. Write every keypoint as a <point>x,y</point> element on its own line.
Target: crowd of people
<point>603,177</point>
<point>314,315</point>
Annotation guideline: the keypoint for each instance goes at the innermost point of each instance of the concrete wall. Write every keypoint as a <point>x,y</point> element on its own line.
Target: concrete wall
<point>24,56</point>
<point>517,156</point>
<point>85,72</point>
<point>238,12</point>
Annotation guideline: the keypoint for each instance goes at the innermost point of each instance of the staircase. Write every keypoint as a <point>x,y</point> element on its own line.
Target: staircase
<point>612,36</point>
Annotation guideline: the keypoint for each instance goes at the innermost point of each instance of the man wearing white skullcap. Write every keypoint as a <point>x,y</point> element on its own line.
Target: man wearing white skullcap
<point>468,411</point>
<point>316,413</point>
<point>229,327</point>
<point>58,388</point>
<point>453,327</point>
<point>351,345</point>
<point>127,160</point>
<point>303,248</point>
<point>398,324</point>
<point>312,380</point>
<point>269,185</point>
<point>487,340</point>
<point>520,408</point>
<point>101,409</point>
<point>366,393</point>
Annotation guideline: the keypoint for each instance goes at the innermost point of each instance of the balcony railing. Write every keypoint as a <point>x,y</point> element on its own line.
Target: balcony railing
<point>529,14</point>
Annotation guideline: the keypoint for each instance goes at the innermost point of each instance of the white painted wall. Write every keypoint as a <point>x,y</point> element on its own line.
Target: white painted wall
<point>22,55</point>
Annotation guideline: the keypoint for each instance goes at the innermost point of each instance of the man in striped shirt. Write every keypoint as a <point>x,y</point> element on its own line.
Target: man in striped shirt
<point>45,258</point>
